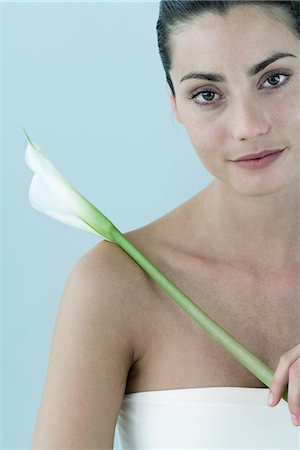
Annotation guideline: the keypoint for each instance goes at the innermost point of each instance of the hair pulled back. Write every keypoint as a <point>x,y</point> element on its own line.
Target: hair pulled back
<point>174,14</point>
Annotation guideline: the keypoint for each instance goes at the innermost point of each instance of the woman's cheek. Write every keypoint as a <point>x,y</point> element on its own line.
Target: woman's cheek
<point>210,151</point>
<point>284,108</point>
<point>208,135</point>
<point>290,113</point>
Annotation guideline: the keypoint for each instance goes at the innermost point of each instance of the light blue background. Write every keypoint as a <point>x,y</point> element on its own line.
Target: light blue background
<point>86,82</point>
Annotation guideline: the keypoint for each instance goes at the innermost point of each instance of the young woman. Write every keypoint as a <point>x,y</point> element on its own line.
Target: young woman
<point>126,354</point>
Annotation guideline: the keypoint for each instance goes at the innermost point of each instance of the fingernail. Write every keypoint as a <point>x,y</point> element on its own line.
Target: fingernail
<point>295,420</point>
<point>270,399</point>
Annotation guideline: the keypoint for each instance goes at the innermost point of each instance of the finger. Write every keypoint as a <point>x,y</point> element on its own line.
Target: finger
<point>281,375</point>
<point>294,390</point>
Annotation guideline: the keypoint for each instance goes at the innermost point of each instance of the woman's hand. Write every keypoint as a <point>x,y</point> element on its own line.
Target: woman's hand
<point>288,372</point>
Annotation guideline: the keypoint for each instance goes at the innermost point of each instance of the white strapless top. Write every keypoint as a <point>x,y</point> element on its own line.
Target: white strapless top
<point>205,418</point>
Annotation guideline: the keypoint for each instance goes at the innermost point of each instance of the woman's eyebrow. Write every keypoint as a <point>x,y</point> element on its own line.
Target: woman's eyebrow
<point>251,72</point>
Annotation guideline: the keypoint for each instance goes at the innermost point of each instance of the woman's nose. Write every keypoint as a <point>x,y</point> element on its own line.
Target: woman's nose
<point>248,120</point>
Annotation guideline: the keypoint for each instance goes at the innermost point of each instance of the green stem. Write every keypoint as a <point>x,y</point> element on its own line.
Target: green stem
<point>234,347</point>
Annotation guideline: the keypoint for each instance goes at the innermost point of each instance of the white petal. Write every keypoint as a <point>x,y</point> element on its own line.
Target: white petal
<point>49,189</point>
<point>55,196</point>
<point>39,163</point>
<point>44,195</point>
<point>74,221</point>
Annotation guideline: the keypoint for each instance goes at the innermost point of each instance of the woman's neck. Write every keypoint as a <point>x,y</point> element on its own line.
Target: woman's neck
<point>261,231</point>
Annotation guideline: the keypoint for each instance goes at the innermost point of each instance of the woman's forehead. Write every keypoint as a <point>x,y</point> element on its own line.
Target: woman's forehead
<point>246,32</point>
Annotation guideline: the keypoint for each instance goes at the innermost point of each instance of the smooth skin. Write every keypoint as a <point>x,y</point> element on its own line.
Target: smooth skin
<point>244,115</point>
<point>253,217</point>
<point>96,340</point>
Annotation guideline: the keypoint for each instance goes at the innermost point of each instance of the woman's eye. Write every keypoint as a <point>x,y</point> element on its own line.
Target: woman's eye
<point>276,76</point>
<point>209,96</point>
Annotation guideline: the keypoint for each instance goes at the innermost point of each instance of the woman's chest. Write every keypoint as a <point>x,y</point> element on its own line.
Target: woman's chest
<point>262,313</point>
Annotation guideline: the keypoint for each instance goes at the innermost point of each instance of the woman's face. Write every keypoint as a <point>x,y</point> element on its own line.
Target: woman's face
<point>246,112</point>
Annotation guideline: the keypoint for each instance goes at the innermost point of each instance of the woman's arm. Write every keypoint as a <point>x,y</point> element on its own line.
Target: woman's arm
<point>91,355</point>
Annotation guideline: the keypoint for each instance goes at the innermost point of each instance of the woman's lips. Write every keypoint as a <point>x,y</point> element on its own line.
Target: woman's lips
<point>259,163</point>
<point>258,154</point>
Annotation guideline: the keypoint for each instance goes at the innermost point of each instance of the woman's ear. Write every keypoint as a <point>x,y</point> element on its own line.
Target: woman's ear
<point>172,101</point>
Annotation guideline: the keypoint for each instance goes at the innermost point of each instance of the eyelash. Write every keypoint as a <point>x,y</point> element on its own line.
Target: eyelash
<point>208,103</point>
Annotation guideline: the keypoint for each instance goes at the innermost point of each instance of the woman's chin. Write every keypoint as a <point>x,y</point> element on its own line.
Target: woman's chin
<point>283,174</point>
<point>262,187</point>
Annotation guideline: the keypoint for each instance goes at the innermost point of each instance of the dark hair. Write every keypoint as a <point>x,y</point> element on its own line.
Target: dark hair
<point>174,14</point>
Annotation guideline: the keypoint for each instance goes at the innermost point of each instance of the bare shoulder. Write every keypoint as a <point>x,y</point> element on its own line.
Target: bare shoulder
<point>116,281</point>
<point>98,335</point>
<point>108,265</point>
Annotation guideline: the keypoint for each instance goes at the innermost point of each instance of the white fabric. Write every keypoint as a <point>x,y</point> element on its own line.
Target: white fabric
<point>205,418</point>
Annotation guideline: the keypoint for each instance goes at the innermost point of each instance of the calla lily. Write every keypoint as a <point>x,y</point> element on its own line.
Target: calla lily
<point>53,195</point>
